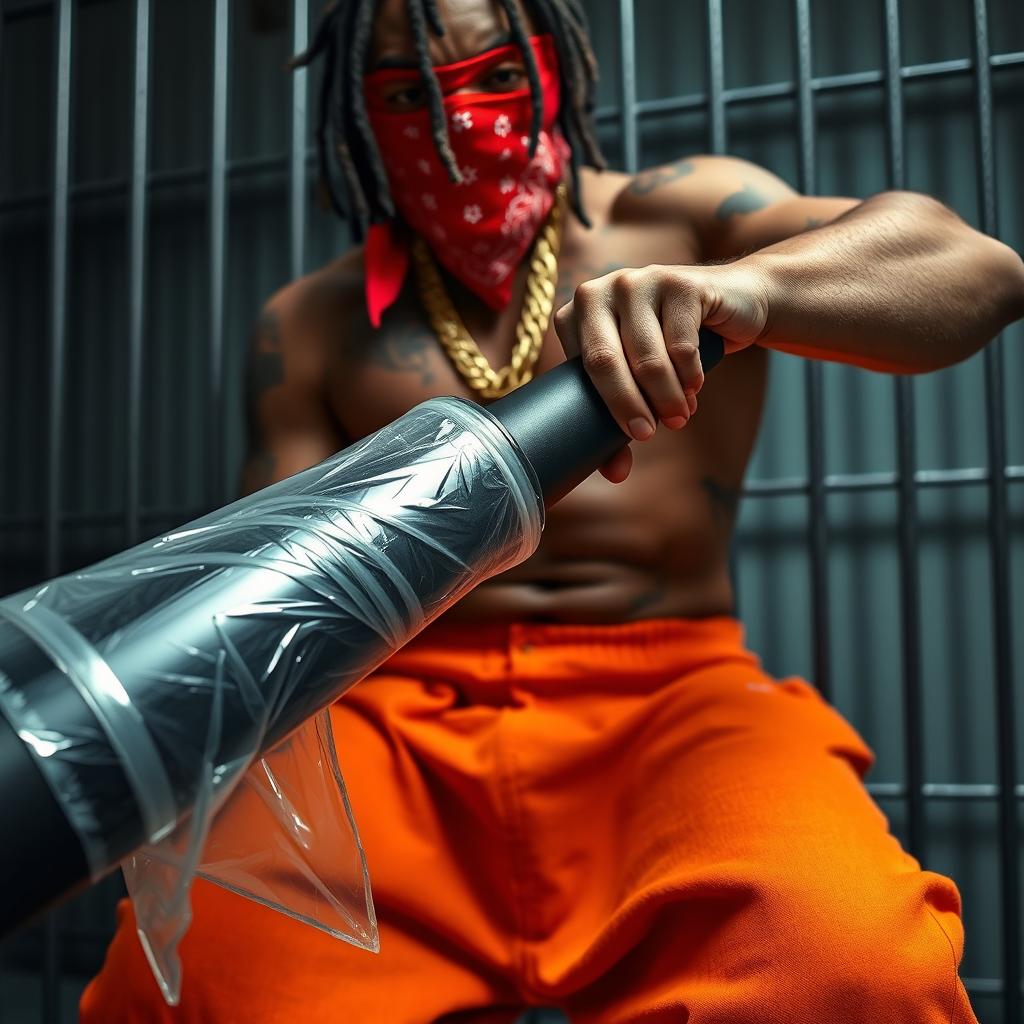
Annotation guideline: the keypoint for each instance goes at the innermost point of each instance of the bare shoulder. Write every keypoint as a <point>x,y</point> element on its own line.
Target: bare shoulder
<point>700,187</point>
<point>302,310</point>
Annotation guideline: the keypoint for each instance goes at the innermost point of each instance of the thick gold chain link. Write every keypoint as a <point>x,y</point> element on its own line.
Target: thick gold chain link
<point>538,303</point>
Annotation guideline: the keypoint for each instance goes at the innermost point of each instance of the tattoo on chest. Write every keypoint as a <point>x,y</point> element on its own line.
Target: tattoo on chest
<point>747,200</point>
<point>406,346</point>
<point>724,500</point>
<point>647,181</point>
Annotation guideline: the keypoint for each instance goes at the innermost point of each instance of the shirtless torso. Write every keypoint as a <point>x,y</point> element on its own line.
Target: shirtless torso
<point>653,546</point>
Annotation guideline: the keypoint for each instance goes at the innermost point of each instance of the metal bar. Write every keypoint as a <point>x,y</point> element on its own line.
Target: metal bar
<point>627,88</point>
<point>137,273</point>
<point>1000,550</point>
<point>826,83</point>
<point>35,8</point>
<point>716,76</point>
<point>218,239</point>
<point>966,791</point>
<point>821,646</point>
<point>58,285</point>
<point>50,974</point>
<point>281,163</point>
<point>906,448</point>
<point>297,182</point>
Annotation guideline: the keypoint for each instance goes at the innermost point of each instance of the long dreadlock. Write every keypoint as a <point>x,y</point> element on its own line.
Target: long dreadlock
<point>343,128</point>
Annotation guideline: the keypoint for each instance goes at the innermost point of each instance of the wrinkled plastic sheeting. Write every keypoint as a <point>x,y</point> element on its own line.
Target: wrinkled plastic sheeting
<point>285,837</point>
<point>200,651</point>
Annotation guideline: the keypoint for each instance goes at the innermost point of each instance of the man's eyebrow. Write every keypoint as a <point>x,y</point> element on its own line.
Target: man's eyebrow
<point>409,63</point>
<point>394,62</point>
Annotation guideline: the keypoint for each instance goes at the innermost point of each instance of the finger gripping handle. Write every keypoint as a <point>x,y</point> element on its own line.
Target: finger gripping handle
<point>563,426</point>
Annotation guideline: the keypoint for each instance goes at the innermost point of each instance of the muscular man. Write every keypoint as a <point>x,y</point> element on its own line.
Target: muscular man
<point>579,789</point>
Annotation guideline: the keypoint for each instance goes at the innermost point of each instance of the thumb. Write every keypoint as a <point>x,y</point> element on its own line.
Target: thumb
<point>565,328</point>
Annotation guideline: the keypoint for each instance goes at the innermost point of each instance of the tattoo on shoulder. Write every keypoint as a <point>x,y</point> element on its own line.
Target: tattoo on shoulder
<point>724,499</point>
<point>265,371</point>
<point>647,181</point>
<point>747,200</point>
<point>814,222</point>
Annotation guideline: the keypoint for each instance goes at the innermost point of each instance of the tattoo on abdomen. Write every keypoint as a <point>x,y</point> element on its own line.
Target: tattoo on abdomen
<point>747,200</point>
<point>647,181</point>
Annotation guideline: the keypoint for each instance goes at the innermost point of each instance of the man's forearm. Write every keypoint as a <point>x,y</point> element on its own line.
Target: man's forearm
<point>899,283</point>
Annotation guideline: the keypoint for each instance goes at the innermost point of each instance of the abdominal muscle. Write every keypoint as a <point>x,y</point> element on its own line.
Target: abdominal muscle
<point>652,547</point>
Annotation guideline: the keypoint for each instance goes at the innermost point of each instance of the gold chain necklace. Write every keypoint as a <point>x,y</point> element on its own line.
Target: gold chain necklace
<point>538,302</point>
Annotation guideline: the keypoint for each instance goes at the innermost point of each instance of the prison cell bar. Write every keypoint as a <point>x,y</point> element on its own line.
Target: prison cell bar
<point>216,489</point>
<point>297,155</point>
<point>817,526</point>
<point>716,78</point>
<point>627,88</point>
<point>50,978</point>
<point>137,273</point>
<point>906,453</point>
<point>995,422</point>
<point>645,110</point>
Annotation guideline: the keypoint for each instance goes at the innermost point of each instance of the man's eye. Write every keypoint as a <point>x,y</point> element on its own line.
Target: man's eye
<point>506,78</point>
<point>408,98</point>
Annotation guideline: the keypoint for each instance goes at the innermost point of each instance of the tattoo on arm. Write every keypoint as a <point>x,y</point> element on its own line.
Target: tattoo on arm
<point>724,499</point>
<point>647,181</point>
<point>814,222</point>
<point>747,200</point>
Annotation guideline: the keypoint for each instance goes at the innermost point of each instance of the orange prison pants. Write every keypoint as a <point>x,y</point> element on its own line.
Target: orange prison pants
<point>633,823</point>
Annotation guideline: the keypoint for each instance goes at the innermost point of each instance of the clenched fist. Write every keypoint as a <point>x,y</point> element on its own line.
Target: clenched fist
<point>636,331</point>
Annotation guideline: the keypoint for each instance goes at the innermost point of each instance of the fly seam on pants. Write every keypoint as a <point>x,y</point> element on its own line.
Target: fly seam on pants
<point>511,827</point>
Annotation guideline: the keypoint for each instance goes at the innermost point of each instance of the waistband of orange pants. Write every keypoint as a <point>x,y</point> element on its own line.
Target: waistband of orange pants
<point>567,650</point>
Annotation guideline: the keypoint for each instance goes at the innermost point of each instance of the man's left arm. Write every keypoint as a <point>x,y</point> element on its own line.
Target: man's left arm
<point>897,283</point>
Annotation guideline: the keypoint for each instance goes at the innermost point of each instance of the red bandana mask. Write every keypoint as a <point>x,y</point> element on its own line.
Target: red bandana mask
<point>479,229</point>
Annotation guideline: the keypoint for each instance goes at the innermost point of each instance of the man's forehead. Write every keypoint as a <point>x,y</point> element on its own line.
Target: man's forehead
<point>471,26</point>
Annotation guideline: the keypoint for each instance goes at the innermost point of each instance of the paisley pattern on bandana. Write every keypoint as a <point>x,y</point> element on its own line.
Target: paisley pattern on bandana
<point>481,228</point>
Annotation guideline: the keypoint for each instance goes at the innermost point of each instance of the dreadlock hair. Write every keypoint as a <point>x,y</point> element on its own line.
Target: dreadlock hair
<point>346,145</point>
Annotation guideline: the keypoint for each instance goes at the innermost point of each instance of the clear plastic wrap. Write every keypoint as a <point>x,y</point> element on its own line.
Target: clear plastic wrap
<point>187,671</point>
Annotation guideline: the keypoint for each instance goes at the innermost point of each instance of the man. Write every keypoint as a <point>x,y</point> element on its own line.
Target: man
<point>579,789</point>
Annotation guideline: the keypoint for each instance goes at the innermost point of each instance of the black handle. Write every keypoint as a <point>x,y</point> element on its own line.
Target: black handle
<point>563,426</point>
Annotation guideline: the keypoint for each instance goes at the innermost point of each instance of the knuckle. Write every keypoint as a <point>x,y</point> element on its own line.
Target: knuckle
<point>628,283</point>
<point>682,351</point>
<point>586,292</point>
<point>648,367</point>
<point>599,359</point>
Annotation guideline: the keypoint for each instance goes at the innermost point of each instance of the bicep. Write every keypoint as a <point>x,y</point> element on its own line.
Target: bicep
<point>783,219</point>
<point>290,425</point>
<point>736,206</point>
